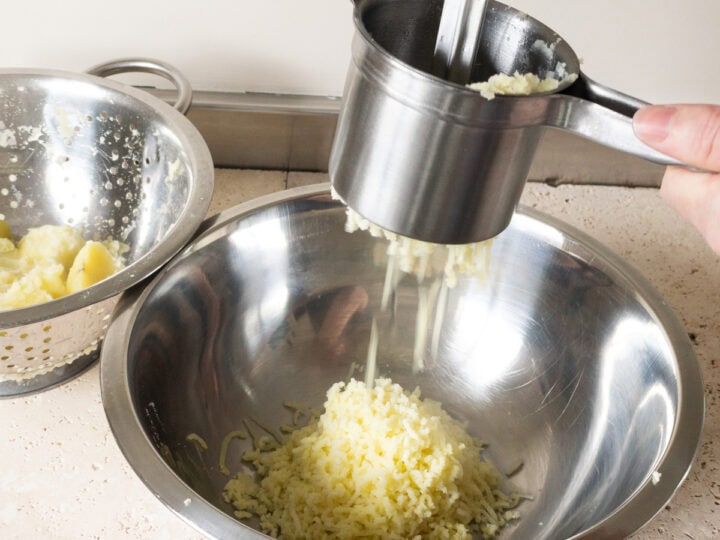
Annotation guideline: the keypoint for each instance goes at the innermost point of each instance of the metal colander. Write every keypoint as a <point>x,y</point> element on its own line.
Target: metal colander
<point>112,161</point>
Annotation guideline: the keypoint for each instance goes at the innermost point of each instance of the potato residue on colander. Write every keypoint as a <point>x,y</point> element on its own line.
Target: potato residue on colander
<point>52,261</point>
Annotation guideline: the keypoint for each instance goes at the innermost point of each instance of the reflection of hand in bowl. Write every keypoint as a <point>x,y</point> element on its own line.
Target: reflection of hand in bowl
<point>346,303</point>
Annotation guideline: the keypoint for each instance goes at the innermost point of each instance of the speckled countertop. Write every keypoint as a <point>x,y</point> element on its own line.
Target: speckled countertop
<point>63,476</point>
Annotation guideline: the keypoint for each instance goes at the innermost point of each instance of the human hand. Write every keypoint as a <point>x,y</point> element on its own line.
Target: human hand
<point>690,133</point>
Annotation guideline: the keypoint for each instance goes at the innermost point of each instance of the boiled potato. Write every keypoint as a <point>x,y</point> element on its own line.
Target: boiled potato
<point>52,261</point>
<point>57,243</point>
<point>39,284</point>
<point>24,292</point>
<point>5,231</point>
<point>10,260</point>
<point>93,263</point>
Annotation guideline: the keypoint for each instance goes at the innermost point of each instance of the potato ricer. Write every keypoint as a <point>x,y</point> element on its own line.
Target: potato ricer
<point>434,160</point>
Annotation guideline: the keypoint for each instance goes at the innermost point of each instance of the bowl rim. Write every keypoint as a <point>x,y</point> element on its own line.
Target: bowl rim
<point>198,203</point>
<point>645,502</point>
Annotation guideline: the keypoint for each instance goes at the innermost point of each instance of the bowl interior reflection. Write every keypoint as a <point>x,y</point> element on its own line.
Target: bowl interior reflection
<point>556,361</point>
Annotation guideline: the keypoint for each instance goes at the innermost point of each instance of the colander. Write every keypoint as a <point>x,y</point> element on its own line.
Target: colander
<point>112,161</point>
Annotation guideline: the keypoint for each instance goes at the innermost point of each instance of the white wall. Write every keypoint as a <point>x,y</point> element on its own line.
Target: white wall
<point>659,50</point>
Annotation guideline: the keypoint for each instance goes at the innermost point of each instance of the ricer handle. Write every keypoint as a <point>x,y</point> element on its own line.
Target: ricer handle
<point>605,116</point>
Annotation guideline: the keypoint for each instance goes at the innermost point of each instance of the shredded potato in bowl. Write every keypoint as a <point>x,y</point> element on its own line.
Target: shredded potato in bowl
<point>379,462</point>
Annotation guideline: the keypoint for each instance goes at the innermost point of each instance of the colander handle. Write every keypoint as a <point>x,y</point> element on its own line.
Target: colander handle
<point>148,65</point>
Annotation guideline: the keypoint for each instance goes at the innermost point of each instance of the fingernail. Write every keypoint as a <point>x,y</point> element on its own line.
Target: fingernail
<point>652,124</point>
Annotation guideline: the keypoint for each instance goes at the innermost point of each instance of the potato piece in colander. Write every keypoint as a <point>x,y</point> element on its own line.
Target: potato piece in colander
<point>93,263</point>
<point>58,243</point>
<point>5,230</point>
<point>51,261</point>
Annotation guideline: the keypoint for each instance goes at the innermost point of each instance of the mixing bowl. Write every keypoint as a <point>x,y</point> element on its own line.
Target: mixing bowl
<point>564,361</point>
<point>112,161</point>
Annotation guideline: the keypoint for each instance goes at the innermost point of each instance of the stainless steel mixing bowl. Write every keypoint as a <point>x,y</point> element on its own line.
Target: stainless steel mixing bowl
<point>112,161</point>
<point>566,360</point>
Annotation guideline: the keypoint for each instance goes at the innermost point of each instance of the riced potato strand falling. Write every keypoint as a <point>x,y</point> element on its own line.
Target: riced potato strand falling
<point>424,259</point>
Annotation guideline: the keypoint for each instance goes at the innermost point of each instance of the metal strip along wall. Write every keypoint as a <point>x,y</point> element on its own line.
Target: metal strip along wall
<point>291,132</point>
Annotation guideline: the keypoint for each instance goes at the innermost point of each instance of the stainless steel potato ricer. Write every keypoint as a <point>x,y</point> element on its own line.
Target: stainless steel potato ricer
<point>435,160</point>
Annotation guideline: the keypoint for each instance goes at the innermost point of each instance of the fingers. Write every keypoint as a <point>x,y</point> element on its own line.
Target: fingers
<point>696,196</point>
<point>690,133</point>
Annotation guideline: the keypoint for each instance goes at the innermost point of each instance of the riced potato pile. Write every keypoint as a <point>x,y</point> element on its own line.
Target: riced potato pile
<point>52,261</point>
<point>380,462</point>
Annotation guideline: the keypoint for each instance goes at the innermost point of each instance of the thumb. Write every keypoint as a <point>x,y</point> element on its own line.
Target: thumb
<point>690,133</point>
